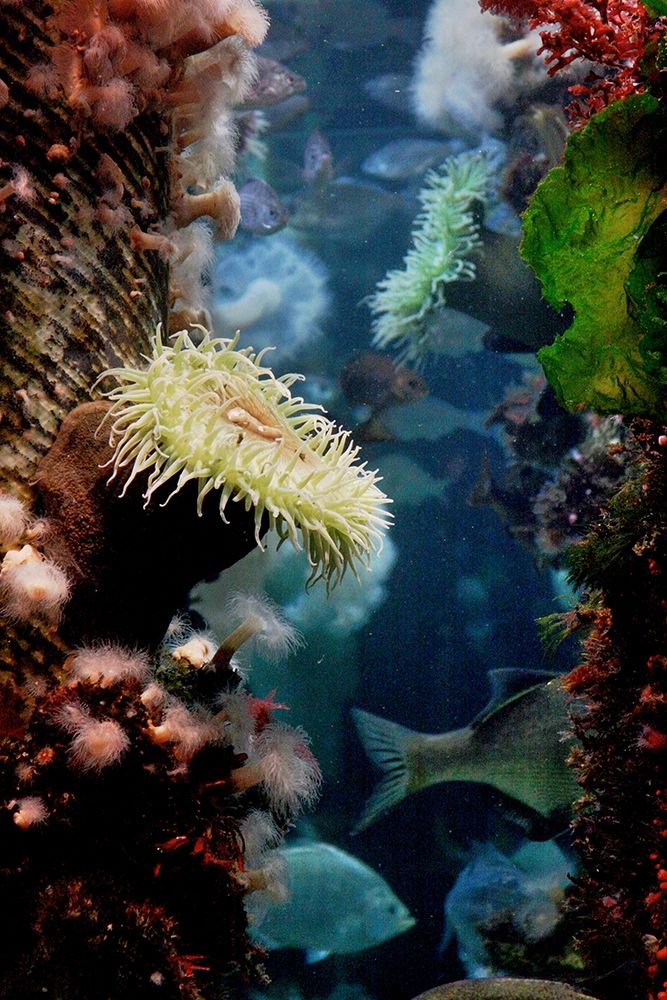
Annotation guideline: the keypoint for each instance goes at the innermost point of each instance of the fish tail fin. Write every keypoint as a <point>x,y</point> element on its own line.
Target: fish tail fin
<point>386,744</point>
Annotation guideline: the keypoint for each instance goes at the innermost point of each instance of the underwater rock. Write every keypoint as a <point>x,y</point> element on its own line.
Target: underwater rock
<point>504,989</point>
<point>126,581</point>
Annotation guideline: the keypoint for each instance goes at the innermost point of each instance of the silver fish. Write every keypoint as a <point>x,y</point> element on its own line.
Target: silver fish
<point>336,905</point>
<point>275,83</point>
<point>504,989</point>
<point>288,111</point>
<point>516,745</point>
<point>392,90</point>
<point>317,159</point>
<point>404,158</point>
<point>491,886</point>
<point>262,211</point>
<point>347,210</point>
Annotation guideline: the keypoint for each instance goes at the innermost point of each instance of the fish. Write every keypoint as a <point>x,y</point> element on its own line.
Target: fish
<point>504,989</point>
<point>407,157</point>
<point>346,211</point>
<point>288,111</point>
<point>274,83</point>
<point>492,888</point>
<point>431,419</point>
<point>518,745</point>
<point>408,484</point>
<point>392,90</point>
<point>336,905</point>
<point>262,211</point>
<point>453,333</point>
<point>376,381</point>
<point>317,159</point>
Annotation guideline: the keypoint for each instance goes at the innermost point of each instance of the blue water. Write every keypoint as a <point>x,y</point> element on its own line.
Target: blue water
<point>463,594</point>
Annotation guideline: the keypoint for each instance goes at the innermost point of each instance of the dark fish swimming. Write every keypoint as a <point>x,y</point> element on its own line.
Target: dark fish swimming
<point>317,159</point>
<point>372,379</point>
<point>517,745</point>
<point>504,989</point>
<point>262,211</point>
<point>275,83</point>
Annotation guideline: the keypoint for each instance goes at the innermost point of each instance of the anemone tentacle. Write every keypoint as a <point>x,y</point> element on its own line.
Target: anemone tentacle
<point>444,236</point>
<point>216,415</point>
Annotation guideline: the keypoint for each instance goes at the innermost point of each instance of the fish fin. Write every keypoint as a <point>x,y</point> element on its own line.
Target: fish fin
<point>316,955</point>
<point>507,684</point>
<point>532,824</point>
<point>385,743</point>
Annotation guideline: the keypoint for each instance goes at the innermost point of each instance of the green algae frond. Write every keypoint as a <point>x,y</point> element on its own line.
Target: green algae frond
<point>444,238</point>
<point>213,414</point>
<point>585,235</point>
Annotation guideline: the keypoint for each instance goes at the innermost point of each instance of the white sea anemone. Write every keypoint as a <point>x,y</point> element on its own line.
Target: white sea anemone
<point>13,519</point>
<point>259,833</point>
<point>445,237</point>
<point>96,743</point>
<point>464,70</point>
<point>274,291</point>
<point>30,811</point>
<point>215,415</point>
<point>108,664</point>
<point>284,766</point>
<point>197,651</point>
<point>31,586</point>
<point>262,621</point>
<point>186,731</point>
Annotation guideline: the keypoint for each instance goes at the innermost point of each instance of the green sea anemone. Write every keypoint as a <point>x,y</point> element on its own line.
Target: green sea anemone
<point>213,414</point>
<point>444,235</point>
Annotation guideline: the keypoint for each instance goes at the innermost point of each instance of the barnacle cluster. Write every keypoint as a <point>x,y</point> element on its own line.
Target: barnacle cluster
<point>216,415</point>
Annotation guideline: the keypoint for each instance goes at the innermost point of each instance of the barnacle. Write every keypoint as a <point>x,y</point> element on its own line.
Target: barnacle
<point>445,235</point>
<point>216,415</point>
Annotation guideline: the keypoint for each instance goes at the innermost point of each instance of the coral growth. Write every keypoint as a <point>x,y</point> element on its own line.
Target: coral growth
<point>131,789</point>
<point>121,868</point>
<point>621,822</point>
<point>614,35</point>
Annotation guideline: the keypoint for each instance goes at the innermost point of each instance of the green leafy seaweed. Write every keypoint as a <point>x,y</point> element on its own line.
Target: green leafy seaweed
<point>583,231</point>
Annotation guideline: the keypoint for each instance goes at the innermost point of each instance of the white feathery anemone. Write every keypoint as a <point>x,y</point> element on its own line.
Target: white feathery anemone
<point>107,664</point>
<point>259,833</point>
<point>14,519</point>
<point>464,70</point>
<point>444,237</point>
<point>264,622</point>
<point>30,811</point>
<point>96,743</point>
<point>31,586</point>
<point>215,415</point>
